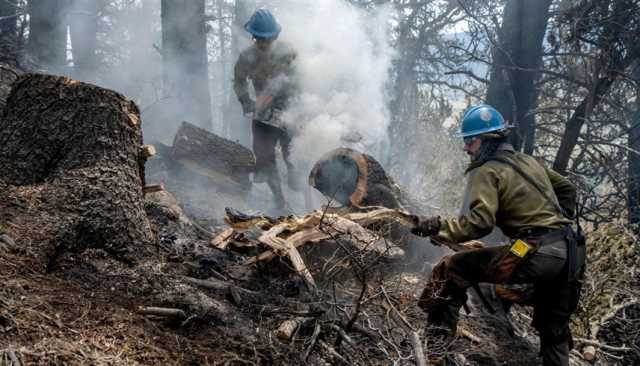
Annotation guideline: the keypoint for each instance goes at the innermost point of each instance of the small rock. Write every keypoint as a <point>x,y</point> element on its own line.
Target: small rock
<point>589,353</point>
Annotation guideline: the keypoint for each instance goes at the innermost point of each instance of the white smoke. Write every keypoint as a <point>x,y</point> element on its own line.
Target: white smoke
<point>343,63</point>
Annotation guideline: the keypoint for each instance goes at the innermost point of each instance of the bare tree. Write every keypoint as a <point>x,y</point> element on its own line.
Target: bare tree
<point>83,26</point>
<point>516,58</point>
<point>184,59</point>
<point>48,33</point>
<point>8,16</point>
<point>610,26</point>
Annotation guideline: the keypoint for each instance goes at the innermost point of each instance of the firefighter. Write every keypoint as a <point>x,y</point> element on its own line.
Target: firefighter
<point>534,207</point>
<point>268,64</point>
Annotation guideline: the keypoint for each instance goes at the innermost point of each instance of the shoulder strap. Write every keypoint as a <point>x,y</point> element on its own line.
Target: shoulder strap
<point>531,181</point>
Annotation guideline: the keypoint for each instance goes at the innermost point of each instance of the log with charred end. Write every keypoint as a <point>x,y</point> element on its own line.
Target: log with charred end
<point>164,312</point>
<point>72,145</point>
<point>353,178</point>
<point>148,151</point>
<point>206,154</point>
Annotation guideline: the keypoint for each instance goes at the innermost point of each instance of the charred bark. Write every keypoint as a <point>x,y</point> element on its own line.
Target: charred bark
<point>354,179</point>
<point>71,152</point>
<point>204,153</point>
<point>577,120</point>
<point>515,61</point>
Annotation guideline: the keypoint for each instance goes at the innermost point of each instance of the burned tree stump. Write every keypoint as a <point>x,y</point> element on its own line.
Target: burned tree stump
<point>354,179</point>
<point>70,153</point>
<point>204,153</point>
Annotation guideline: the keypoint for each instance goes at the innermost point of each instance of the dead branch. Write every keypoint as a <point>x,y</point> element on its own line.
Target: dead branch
<point>595,343</point>
<point>314,338</point>
<point>164,312</point>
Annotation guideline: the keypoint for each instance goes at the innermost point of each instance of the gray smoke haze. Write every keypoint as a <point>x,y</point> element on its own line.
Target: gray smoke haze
<point>344,58</point>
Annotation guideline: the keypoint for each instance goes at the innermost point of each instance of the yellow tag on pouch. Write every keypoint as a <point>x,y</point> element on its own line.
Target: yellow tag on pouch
<point>520,248</point>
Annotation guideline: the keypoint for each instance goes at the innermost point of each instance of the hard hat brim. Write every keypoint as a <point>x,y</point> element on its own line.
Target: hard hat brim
<point>257,33</point>
<point>460,134</point>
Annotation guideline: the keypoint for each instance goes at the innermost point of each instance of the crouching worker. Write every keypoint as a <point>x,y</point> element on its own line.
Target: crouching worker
<point>533,206</point>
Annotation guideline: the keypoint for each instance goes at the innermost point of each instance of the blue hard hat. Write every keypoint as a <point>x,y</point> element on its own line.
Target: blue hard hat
<point>481,119</point>
<point>263,24</point>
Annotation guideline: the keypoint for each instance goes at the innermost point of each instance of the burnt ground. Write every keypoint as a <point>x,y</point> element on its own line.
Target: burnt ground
<point>86,310</point>
<point>80,304</point>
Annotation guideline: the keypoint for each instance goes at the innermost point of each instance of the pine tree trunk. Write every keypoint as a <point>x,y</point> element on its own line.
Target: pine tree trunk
<point>83,28</point>
<point>8,12</point>
<point>184,56</point>
<point>511,89</point>
<point>70,152</point>
<point>48,33</point>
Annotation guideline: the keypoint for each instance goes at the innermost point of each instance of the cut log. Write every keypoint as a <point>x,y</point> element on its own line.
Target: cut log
<point>356,179</point>
<point>68,149</point>
<point>206,154</point>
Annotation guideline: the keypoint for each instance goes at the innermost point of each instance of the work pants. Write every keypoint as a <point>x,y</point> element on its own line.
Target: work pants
<point>546,268</point>
<point>265,139</point>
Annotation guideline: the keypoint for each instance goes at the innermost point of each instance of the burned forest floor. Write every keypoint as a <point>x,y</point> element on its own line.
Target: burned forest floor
<point>97,269</point>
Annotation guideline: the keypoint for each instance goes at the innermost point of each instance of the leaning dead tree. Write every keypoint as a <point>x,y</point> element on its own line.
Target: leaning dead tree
<point>72,168</point>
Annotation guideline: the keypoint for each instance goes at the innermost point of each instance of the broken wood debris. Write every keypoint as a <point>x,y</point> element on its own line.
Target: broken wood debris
<point>152,188</point>
<point>148,150</point>
<point>285,234</point>
<point>164,312</point>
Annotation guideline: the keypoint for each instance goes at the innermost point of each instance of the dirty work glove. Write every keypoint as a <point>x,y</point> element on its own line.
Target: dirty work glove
<point>426,226</point>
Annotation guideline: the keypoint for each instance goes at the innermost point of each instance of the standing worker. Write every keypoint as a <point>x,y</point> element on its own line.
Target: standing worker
<point>533,206</point>
<point>269,65</point>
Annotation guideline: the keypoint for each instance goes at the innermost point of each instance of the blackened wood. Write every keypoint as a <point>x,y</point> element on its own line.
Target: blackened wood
<point>353,178</point>
<point>210,155</point>
<point>70,150</point>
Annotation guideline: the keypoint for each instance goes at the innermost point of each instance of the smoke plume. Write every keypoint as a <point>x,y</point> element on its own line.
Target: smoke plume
<point>343,63</point>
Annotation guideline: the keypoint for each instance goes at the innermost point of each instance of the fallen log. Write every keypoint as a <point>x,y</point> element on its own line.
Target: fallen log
<point>206,154</point>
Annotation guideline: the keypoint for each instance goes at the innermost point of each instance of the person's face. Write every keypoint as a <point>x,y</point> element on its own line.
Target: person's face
<point>264,44</point>
<point>472,145</point>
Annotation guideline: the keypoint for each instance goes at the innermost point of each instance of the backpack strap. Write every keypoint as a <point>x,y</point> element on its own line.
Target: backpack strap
<point>532,182</point>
